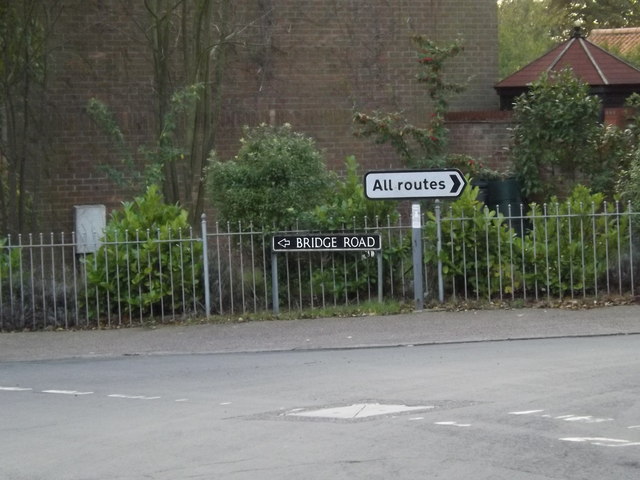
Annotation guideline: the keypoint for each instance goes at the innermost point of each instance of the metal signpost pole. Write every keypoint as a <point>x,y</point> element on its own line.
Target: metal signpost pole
<point>380,279</point>
<point>274,283</point>
<point>416,242</point>
<point>439,251</point>
<point>322,242</point>
<point>414,185</point>
<point>205,257</point>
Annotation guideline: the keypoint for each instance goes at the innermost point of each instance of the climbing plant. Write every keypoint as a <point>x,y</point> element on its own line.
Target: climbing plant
<point>419,147</point>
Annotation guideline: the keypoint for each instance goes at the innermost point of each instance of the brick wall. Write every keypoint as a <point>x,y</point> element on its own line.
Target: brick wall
<point>306,62</point>
<point>98,53</point>
<point>485,135</point>
<point>326,59</point>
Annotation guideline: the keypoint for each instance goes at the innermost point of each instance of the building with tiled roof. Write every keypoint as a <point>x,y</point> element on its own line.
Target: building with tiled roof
<point>622,40</point>
<point>609,77</point>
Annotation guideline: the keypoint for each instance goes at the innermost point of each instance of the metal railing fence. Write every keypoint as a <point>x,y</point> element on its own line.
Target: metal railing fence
<point>548,253</point>
<point>551,252</point>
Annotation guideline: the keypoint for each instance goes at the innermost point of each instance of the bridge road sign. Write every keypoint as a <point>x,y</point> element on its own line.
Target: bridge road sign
<point>319,242</point>
<point>323,242</point>
<point>413,184</point>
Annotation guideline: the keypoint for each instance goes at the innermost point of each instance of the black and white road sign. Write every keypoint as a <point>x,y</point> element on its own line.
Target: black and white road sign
<point>318,242</point>
<point>413,184</point>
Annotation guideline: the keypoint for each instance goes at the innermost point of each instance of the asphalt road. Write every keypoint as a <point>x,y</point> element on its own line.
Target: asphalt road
<point>565,405</point>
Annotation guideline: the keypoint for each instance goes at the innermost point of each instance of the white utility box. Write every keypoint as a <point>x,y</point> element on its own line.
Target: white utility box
<point>91,221</point>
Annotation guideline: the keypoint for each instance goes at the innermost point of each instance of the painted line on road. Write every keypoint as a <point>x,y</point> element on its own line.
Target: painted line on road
<point>584,419</point>
<point>16,389</point>
<point>566,417</point>
<point>67,392</point>
<point>132,397</point>
<point>602,441</point>
<point>453,424</point>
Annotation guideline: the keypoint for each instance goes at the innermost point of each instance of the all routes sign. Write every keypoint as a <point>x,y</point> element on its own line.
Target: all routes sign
<point>413,184</point>
<point>318,242</point>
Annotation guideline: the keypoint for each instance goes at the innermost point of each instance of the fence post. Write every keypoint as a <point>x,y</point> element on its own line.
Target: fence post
<point>205,261</point>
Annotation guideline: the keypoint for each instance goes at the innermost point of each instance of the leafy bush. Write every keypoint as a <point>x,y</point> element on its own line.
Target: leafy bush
<point>348,209</point>
<point>277,175</point>
<point>478,248</point>
<point>10,276</point>
<point>629,184</point>
<point>567,248</point>
<point>556,127</point>
<point>143,265</point>
<point>570,246</point>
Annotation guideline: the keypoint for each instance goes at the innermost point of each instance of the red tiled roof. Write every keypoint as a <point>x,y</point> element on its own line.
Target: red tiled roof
<point>623,40</point>
<point>591,63</point>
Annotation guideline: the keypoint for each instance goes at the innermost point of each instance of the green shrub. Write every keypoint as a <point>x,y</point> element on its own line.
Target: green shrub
<point>349,210</point>
<point>348,207</point>
<point>11,315</point>
<point>570,245</point>
<point>277,175</point>
<point>478,248</point>
<point>142,266</point>
<point>555,133</point>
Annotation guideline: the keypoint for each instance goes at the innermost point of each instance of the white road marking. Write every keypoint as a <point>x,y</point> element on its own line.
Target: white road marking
<point>67,392</point>
<point>132,397</point>
<point>182,400</point>
<point>566,418</point>
<point>15,389</point>
<point>602,441</point>
<point>583,419</point>
<point>634,426</point>
<point>453,424</point>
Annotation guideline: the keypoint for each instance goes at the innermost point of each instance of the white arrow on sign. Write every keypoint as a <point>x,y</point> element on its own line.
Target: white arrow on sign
<point>410,184</point>
<point>284,243</point>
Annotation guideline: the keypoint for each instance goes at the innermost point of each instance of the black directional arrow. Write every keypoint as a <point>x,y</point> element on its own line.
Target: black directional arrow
<point>456,183</point>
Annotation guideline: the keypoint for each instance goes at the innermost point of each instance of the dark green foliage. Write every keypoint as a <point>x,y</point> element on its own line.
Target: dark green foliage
<point>349,210</point>
<point>629,184</point>
<point>572,245</point>
<point>140,268</point>
<point>477,248</point>
<point>277,175</point>
<point>348,207</point>
<point>555,133</point>
<point>11,277</point>
<point>567,248</point>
